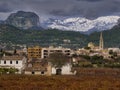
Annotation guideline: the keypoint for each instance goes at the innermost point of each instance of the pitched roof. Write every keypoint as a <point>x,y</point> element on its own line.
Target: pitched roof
<point>12,58</point>
<point>37,66</point>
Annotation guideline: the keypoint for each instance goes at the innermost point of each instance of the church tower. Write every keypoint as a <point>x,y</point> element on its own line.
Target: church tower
<point>101,42</point>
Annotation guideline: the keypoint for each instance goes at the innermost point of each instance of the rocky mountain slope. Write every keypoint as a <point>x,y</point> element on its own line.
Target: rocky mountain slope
<point>23,20</point>
<point>30,20</point>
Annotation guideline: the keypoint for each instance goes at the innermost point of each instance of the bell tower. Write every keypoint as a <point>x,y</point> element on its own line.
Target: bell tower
<point>101,42</point>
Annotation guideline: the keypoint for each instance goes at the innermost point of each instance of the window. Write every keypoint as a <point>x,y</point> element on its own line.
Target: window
<point>10,62</point>
<point>16,62</point>
<point>58,50</point>
<point>33,72</point>
<point>67,51</point>
<point>42,72</point>
<point>45,53</point>
<point>45,50</point>
<point>68,54</point>
<point>4,62</point>
<point>45,56</point>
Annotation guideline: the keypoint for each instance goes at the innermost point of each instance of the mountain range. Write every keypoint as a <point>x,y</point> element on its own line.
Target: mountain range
<point>30,20</point>
<point>82,24</point>
<point>11,33</point>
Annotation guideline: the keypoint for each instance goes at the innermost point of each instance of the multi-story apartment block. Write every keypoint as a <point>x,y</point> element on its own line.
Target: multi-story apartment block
<point>34,52</point>
<point>47,51</point>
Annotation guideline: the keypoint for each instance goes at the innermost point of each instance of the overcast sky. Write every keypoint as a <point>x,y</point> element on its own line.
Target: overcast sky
<point>62,8</point>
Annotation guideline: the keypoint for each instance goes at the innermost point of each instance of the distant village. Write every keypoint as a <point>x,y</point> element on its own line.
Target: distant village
<point>37,60</point>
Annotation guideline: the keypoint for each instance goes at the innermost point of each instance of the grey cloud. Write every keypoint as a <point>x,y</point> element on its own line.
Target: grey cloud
<point>87,8</point>
<point>91,10</point>
<point>4,7</point>
<point>90,0</point>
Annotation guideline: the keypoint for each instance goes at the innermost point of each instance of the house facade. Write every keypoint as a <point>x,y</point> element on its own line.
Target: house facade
<point>65,70</point>
<point>17,62</point>
<point>38,68</point>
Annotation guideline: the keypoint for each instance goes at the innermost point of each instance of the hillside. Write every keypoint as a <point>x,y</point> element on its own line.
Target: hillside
<point>10,34</point>
<point>111,37</point>
<point>39,37</point>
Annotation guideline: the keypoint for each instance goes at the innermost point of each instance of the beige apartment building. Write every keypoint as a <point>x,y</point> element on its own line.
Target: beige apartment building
<point>47,51</point>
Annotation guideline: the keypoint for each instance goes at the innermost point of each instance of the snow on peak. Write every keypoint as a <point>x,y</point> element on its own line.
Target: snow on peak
<point>83,24</point>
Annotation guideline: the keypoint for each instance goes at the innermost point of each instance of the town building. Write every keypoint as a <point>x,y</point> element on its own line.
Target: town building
<point>114,50</point>
<point>34,52</point>
<point>47,51</point>
<point>91,45</point>
<point>38,67</point>
<point>17,62</point>
<point>65,70</point>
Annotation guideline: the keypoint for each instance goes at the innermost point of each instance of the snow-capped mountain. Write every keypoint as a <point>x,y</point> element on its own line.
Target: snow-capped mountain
<point>83,24</point>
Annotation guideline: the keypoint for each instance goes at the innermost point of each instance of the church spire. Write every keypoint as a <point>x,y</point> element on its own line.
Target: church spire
<point>101,42</point>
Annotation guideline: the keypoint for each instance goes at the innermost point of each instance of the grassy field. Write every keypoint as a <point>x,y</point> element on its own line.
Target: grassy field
<point>24,82</point>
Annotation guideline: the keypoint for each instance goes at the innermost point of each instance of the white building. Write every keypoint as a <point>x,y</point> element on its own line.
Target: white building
<point>65,70</point>
<point>114,50</point>
<point>17,62</point>
<point>47,51</point>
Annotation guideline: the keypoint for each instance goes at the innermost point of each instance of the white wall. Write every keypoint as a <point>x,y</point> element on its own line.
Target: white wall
<point>20,66</point>
<point>66,70</point>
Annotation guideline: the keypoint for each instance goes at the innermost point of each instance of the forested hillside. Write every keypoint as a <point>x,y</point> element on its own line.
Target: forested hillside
<point>10,34</point>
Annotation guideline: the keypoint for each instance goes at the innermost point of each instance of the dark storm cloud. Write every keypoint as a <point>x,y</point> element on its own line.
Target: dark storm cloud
<point>4,7</point>
<point>87,8</point>
<point>91,8</point>
<point>91,0</point>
